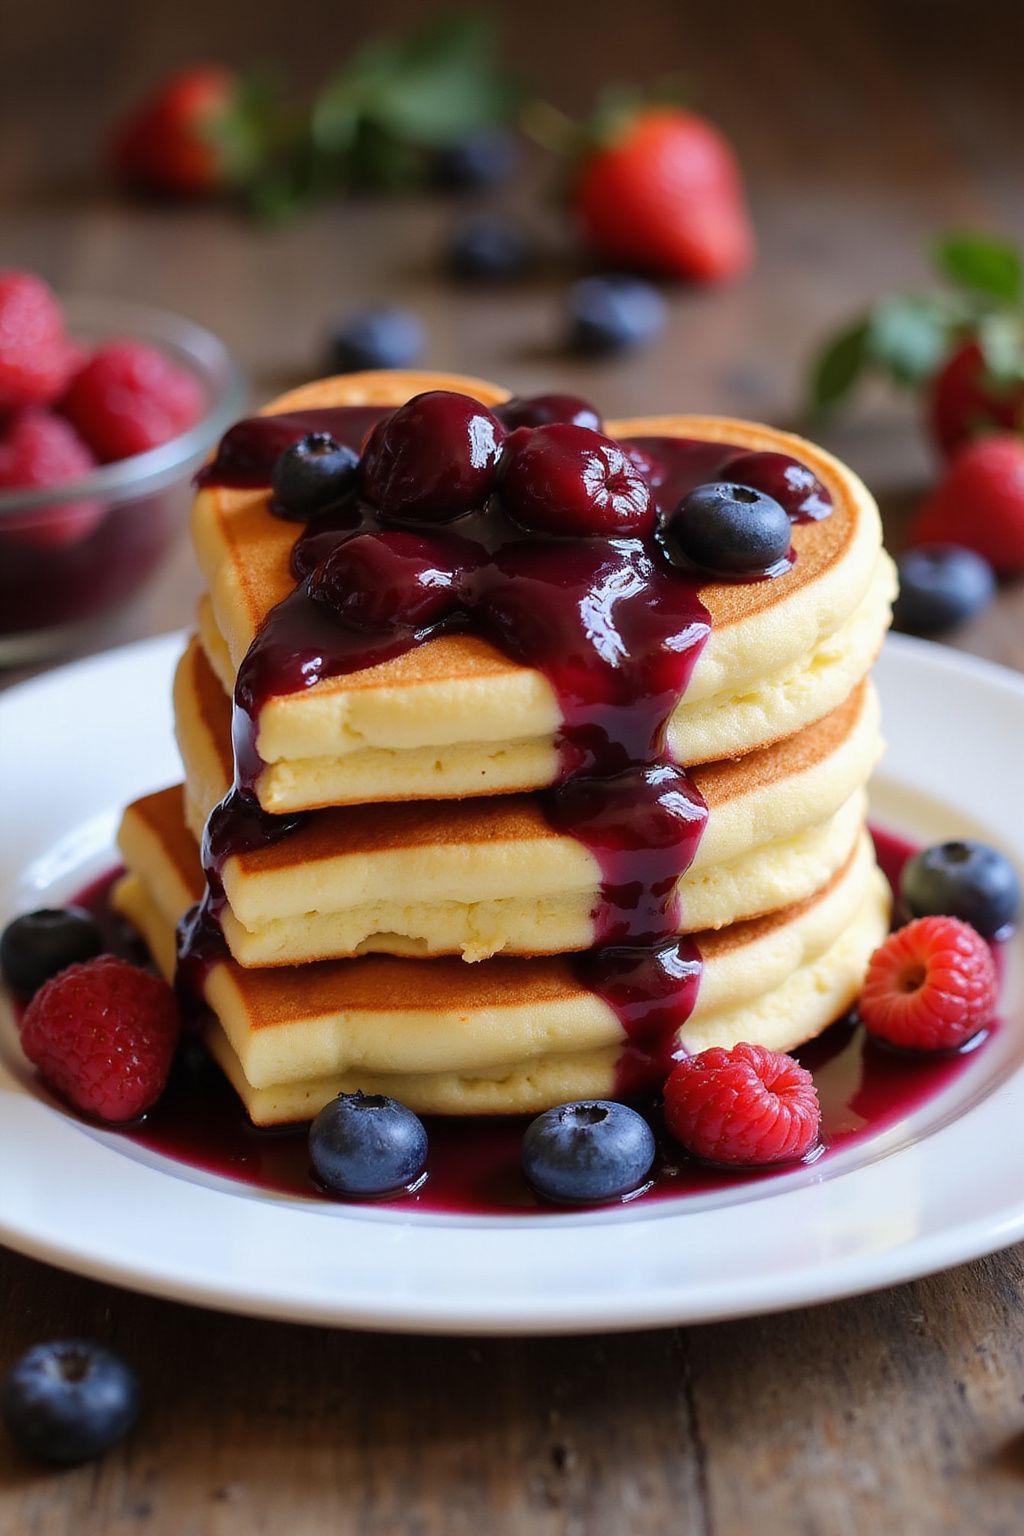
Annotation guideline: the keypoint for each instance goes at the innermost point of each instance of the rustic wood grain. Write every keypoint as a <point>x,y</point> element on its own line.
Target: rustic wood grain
<point>864,127</point>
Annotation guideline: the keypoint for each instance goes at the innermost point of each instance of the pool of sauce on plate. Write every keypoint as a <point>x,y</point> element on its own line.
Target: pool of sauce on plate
<point>474,1166</point>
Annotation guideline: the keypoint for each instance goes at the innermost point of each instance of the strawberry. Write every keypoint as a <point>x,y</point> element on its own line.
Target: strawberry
<point>965,400</point>
<point>747,1106</point>
<point>665,194</point>
<point>931,986</point>
<point>103,1035</point>
<point>980,503</point>
<point>169,144</point>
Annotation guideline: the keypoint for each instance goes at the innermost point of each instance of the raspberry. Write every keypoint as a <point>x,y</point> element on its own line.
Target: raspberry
<point>745,1107</point>
<point>930,986</point>
<point>129,397</point>
<point>40,450</point>
<point>980,503</point>
<point>103,1036</point>
<point>36,358</point>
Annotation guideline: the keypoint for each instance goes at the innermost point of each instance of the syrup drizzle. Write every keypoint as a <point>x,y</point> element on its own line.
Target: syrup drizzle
<point>614,627</point>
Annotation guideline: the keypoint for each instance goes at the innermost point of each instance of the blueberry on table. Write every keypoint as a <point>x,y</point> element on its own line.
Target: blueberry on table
<point>366,1145</point>
<point>490,248</point>
<point>962,879</point>
<point>941,585</point>
<point>480,159</point>
<point>37,945</point>
<point>376,338</point>
<point>69,1401</point>
<point>728,530</point>
<point>588,1152</point>
<point>310,474</point>
<point>609,314</point>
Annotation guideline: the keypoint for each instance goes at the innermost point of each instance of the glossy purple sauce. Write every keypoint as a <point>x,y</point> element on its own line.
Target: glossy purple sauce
<point>615,628</point>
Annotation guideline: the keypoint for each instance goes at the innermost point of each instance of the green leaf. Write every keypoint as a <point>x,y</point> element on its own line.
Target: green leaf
<point>443,84</point>
<point>985,265</point>
<point>908,338</point>
<point>1001,339</point>
<point>838,367</point>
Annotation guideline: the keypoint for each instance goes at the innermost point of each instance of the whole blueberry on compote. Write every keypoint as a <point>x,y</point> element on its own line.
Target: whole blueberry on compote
<point>367,1145</point>
<point>375,338</point>
<point>963,879</point>
<point>585,1153</point>
<point>941,585</point>
<point>567,480</point>
<point>37,945</point>
<point>433,459</point>
<point>69,1401</point>
<point>310,474</point>
<point>381,580</point>
<point>728,530</point>
<point>793,485</point>
<point>609,314</point>
<point>542,410</point>
<point>490,248</point>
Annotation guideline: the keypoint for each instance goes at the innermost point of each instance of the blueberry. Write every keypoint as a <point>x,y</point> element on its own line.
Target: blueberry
<point>367,1145</point>
<point>38,945</point>
<point>729,530</point>
<point>581,1154</point>
<point>69,1401</point>
<point>490,248</point>
<point>376,338</point>
<point>480,159</point>
<point>965,879</point>
<point>311,473</point>
<point>941,585</point>
<point>607,314</point>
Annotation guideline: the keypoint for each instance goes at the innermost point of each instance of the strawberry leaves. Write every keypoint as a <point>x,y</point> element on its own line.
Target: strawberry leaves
<point>906,338</point>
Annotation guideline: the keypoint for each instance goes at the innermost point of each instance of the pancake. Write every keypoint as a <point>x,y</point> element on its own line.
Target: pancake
<point>508,1034</point>
<point>481,876</point>
<point>455,717</point>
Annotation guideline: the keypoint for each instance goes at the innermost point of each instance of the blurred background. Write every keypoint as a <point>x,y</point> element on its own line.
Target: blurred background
<point>863,130</point>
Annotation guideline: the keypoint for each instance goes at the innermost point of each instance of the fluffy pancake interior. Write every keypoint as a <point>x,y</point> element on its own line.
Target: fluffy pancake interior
<point>381,1014</point>
<point>482,876</point>
<point>799,1008</point>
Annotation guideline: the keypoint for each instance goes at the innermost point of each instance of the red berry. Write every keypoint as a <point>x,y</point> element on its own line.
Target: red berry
<point>40,450</point>
<point>980,503</point>
<point>434,458</point>
<point>129,397</point>
<point>745,1107</point>
<point>102,1035</point>
<point>379,580</point>
<point>965,401</point>
<point>169,143</point>
<point>930,986</point>
<point>564,479</point>
<point>666,196</point>
<point>36,357</point>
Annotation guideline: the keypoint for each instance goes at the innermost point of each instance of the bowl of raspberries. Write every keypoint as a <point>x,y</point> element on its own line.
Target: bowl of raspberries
<point>106,410</point>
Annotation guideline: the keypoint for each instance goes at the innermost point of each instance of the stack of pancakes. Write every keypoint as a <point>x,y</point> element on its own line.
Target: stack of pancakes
<point>415,935</point>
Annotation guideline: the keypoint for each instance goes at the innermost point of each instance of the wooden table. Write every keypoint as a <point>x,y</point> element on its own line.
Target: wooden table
<point>864,127</point>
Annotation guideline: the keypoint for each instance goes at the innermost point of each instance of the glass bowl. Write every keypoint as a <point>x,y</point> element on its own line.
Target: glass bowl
<point>74,553</point>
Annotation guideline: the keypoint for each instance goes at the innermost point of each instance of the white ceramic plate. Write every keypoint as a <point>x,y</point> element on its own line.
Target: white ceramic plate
<point>942,1185</point>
